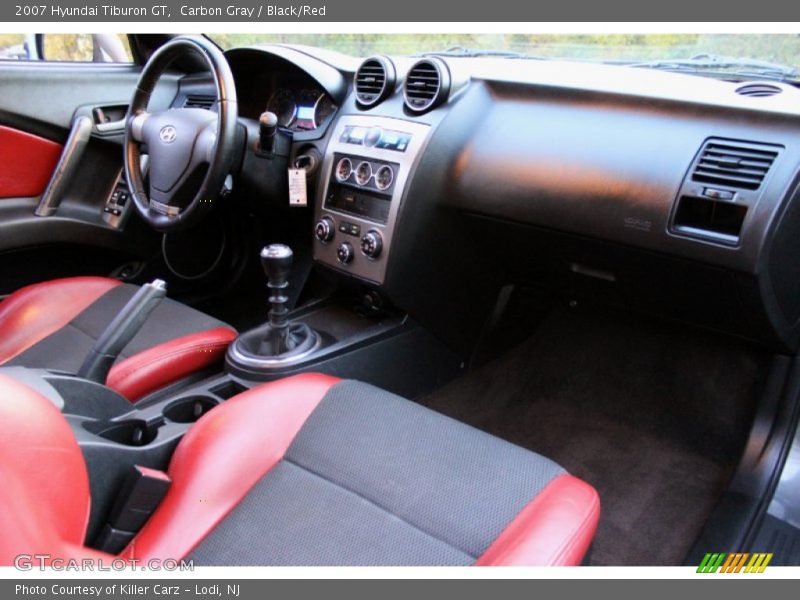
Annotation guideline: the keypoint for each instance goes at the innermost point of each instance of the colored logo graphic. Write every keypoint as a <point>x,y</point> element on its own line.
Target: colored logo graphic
<point>734,562</point>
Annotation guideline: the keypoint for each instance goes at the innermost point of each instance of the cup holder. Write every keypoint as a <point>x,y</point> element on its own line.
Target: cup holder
<point>131,432</point>
<point>189,409</point>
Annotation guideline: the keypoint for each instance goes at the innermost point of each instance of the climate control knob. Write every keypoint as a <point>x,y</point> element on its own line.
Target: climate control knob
<point>325,229</point>
<point>345,252</point>
<point>372,244</point>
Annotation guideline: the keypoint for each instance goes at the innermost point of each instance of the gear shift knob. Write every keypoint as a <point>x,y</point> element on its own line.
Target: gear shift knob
<point>276,259</point>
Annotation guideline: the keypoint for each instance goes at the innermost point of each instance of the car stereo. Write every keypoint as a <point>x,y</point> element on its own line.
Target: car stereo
<point>365,169</point>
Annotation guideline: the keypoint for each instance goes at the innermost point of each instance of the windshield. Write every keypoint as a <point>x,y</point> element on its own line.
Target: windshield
<point>640,49</point>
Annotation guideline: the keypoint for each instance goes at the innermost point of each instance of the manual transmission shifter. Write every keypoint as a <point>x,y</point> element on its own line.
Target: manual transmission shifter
<point>276,259</point>
<point>280,341</point>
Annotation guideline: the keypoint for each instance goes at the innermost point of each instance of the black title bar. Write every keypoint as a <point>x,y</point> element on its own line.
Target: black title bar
<point>364,11</point>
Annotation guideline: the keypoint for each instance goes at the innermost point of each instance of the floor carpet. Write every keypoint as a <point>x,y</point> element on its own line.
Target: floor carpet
<point>653,414</point>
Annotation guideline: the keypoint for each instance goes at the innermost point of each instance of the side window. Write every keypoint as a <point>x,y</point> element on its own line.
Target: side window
<point>85,47</point>
<point>69,47</point>
<point>17,46</point>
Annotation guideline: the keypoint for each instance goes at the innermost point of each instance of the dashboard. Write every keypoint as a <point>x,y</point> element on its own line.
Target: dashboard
<point>440,181</point>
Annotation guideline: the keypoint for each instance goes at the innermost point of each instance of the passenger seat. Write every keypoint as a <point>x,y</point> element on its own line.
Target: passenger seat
<point>307,470</point>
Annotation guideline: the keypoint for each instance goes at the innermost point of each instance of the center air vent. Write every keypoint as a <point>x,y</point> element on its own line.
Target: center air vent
<point>198,101</point>
<point>736,164</point>
<point>758,90</point>
<point>427,85</point>
<point>374,81</point>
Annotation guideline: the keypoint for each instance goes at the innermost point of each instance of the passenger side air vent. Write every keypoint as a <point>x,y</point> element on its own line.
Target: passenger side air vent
<point>758,90</point>
<point>198,101</point>
<point>374,81</point>
<point>736,164</point>
<point>427,85</point>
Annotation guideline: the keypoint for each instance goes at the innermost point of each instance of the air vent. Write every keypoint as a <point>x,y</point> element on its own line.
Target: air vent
<point>736,164</point>
<point>197,101</point>
<point>758,90</point>
<point>427,85</point>
<point>374,81</point>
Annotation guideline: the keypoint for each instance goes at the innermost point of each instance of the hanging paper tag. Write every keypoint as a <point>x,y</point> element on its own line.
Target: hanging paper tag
<point>298,195</point>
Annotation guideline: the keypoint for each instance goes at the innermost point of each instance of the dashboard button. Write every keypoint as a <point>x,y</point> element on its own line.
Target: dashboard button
<point>344,168</point>
<point>373,136</point>
<point>363,173</point>
<point>345,253</point>
<point>717,194</point>
<point>384,178</point>
<point>324,229</point>
<point>357,135</point>
<point>372,244</point>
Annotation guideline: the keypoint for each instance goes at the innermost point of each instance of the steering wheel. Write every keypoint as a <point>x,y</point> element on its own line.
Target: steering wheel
<point>190,149</point>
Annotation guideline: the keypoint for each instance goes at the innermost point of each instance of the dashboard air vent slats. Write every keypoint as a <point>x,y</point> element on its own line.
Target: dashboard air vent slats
<point>374,81</point>
<point>758,90</point>
<point>427,85</point>
<point>736,164</point>
<point>198,101</point>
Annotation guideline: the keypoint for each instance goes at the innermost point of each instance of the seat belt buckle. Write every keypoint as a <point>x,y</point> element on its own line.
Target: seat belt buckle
<point>141,493</point>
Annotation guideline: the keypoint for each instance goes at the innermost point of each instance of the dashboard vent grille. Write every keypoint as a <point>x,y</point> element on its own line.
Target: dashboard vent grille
<point>425,86</point>
<point>198,101</point>
<point>737,164</point>
<point>758,90</point>
<point>374,81</point>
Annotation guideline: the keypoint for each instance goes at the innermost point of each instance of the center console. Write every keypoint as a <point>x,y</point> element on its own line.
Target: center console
<point>364,175</point>
<point>365,172</point>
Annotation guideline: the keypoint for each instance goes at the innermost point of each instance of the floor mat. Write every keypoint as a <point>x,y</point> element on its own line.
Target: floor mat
<point>654,415</point>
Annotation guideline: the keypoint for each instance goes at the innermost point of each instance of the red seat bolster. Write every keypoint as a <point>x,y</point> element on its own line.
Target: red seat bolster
<point>36,311</point>
<point>555,529</point>
<point>45,488</point>
<point>166,363</point>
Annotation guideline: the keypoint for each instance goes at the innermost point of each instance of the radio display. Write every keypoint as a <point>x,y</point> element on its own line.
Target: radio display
<point>362,203</point>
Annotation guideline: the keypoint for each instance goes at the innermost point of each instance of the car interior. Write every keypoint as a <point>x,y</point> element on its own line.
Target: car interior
<point>278,305</point>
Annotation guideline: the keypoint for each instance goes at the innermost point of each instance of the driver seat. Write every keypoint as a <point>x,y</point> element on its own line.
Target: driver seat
<point>54,324</point>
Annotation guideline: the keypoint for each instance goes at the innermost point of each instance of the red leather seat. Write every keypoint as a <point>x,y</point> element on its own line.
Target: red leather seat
<point>54,324</point>
<point>306,470</point>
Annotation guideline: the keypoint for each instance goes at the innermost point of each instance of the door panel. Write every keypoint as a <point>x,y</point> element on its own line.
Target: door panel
<point>37,105</point>
<point>26,162</point>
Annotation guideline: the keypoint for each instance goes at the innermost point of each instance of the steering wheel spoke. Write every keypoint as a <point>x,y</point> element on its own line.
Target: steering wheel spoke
<point>137,124</point>
<point>206,144</point>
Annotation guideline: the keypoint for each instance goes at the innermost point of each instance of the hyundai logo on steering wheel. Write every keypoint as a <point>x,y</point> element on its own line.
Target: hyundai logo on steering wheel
<point>168,134</point>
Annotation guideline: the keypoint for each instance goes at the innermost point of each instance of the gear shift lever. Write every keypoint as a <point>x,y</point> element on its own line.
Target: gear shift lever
<point>276,259</point>
<point>279,342</point>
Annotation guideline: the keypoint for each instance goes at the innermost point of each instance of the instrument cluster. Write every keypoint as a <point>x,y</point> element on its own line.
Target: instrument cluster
<point>300,109</point>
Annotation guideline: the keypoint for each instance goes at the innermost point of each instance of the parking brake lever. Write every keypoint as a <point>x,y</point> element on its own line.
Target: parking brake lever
<point>121,330</point>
